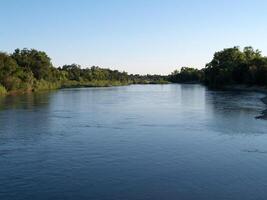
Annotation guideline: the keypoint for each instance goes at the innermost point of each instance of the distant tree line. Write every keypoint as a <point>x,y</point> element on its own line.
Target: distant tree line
<point>186,75</point>
<point>229,66</point>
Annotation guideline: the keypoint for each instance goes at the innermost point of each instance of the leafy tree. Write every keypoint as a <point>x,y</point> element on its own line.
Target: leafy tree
<point>36,61</point>
<point>233,66</point>
<point>8,66</point>
<point>186,75</point>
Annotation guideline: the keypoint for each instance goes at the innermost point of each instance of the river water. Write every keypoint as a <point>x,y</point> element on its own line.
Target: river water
<point>136,142</point>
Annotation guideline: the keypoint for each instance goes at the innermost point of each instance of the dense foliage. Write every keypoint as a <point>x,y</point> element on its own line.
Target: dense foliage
<point>29,70</point>
<point>233,66</point>
<point>148,79</point>
<point>186,75</point>
<point>229,66</point>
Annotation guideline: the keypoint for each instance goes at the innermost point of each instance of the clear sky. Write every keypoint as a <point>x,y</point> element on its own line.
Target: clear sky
<point>138,36</point>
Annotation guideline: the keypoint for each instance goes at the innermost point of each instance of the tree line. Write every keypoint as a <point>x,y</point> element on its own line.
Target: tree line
<point>228,67</point>
<point>32,70</point>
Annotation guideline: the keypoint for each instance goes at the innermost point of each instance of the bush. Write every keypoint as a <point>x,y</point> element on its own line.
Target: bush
<point>2,90</point>
<point>46,85</point>
<point>12,83</point>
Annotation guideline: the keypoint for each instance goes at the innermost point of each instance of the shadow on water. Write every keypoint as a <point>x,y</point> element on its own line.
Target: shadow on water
<point>28,101</point>
<point>25,116</point>
<point>235,110</point>
<point>233,103</point>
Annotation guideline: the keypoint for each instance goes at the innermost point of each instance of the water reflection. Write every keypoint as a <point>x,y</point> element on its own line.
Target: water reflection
<point>193,95</point>
<point>24,117</point>
<point>28,101</point>
<point>233,112</point>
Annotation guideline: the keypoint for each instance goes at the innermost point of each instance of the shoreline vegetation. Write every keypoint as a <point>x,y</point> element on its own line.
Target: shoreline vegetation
<point>30,70</point>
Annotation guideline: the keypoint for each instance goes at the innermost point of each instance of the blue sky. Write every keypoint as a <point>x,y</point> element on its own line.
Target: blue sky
<point>138,36</point>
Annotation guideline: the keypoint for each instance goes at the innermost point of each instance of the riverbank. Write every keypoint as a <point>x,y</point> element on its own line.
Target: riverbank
<point>46,86</point>
<point>63,85</point>
<point>252,89</point>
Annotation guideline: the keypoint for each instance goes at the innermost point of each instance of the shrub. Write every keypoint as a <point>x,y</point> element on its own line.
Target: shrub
<point>12,83</point>
<point>2,90</point>
<point>46,85</point>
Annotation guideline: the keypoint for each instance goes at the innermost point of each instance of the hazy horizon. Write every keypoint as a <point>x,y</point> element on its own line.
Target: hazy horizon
<point>133,36</point>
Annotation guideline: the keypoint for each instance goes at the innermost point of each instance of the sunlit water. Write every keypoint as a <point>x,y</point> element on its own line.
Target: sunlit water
<point>142,142</point>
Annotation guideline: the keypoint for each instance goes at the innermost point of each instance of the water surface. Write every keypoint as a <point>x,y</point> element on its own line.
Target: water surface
<point>136,142</point>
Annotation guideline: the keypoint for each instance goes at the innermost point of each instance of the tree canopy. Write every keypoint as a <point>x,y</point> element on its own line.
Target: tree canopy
<point>186,75</point>
<point>229,66</point>
<point>233,66</point>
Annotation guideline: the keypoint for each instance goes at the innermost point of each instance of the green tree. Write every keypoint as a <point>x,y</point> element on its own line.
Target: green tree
<point>186,75</point>
<point>36,61</point>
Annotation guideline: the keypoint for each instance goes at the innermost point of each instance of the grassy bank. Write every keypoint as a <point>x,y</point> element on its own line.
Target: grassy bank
<point>96,83</point>
<point>43,85</point>
<point>2,90</point>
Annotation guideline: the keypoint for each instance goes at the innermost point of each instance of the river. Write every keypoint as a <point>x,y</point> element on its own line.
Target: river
<point>139,142</point>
